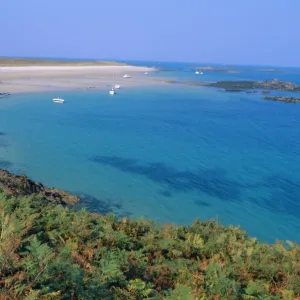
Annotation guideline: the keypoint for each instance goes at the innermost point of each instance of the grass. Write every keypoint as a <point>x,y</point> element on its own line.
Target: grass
<point>23,62</point>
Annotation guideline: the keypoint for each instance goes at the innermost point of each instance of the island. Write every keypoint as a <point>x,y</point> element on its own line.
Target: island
<point>244,86</point>
<point>270,70</point>
<point>49,249</point>
<point>250,87</point>
<point>217,70</point>
<point>274,84</point>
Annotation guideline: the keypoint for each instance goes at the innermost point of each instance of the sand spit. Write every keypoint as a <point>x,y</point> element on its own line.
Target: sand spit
<point>15,79</point>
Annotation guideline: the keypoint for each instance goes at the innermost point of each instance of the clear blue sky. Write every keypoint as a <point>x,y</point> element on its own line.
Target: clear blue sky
<point>262,32</point>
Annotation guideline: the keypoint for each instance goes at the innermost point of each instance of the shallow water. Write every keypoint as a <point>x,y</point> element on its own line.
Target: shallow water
<point>171,153</point>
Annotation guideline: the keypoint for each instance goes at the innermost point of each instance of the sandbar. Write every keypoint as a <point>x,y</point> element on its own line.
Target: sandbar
<point>37,75</point>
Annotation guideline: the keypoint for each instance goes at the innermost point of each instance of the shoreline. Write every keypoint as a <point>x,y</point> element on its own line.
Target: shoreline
<point>59,90</point>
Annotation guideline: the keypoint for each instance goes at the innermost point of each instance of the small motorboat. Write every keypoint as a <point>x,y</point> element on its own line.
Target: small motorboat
<point>126,76</point>
<point>112,91</point>
<point>201,73</point>
<point>197,72</point>
<point>58,100</point>
<point>117,86</point>
<point>146,73</point>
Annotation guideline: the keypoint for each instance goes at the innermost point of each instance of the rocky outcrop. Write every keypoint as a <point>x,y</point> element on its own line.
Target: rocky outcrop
<point>20,186</point>
<point>283,99</point>
<point>274,84</point>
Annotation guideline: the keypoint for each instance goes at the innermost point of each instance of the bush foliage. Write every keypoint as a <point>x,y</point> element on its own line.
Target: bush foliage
<point>49,251</point>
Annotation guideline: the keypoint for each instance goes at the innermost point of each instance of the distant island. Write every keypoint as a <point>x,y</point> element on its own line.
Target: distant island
<point>270,70</point>
<point>49,250</point>
<point>217,70</point>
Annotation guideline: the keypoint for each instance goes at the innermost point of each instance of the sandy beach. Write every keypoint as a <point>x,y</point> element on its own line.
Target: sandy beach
<point>16,78</point>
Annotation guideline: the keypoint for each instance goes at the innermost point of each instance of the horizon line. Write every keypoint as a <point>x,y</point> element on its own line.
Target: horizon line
<point>147,60</point>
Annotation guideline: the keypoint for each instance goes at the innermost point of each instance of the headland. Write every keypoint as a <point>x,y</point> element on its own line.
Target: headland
<point>52,251</point>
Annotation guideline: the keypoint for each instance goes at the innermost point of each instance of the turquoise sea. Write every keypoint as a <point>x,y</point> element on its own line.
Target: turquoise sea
<point>171,152</point>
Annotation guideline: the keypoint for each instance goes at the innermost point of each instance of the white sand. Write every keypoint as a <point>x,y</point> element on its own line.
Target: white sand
<point>39,78</point>
<point>74,68</point>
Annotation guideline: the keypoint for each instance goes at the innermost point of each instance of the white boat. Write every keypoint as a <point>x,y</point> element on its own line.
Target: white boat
<point>201,73</point>
<point>126,76</point>
<point>112,91</point>
<point>117,86</point>
<point>58,100</point>
<point>146,73</point>
<point>197,72</point>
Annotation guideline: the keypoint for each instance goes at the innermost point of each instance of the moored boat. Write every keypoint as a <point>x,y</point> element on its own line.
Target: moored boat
<point>58,100</point>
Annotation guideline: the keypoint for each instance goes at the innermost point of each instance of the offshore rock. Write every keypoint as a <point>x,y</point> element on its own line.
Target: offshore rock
<point>283,99</point>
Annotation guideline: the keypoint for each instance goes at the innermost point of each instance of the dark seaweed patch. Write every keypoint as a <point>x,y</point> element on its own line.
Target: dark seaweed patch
<point>202,203</point>
<point>165,193</point>
<point>212,182</point>
<point>102,206</point>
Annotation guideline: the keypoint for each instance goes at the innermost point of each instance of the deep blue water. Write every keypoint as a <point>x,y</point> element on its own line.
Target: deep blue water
<point>172,153</point>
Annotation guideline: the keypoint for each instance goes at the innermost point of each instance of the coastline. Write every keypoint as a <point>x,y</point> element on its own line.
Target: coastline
<point>18,79</point>
<point>138,257</point>
<point>12,185</point>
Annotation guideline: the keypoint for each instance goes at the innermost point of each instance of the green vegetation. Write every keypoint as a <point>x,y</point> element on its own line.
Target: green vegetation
<point>24,62</point>
<point>50,251</point>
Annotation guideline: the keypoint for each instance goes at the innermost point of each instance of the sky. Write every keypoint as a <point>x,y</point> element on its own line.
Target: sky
<point>257,32</point>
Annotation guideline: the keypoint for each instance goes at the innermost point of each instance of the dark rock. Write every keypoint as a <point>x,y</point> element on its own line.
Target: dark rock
<point>251,92</point>
<point>283,99</point>
<point>233,90</point>
<point>274,84</point>
<point>20,186</point>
